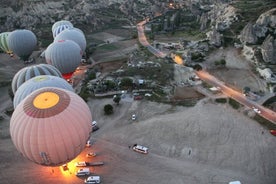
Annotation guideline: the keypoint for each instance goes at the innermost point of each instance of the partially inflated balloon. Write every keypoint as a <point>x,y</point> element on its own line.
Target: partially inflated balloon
<point>32,71</point>
<point>51,126</point>
<point>39,82</point>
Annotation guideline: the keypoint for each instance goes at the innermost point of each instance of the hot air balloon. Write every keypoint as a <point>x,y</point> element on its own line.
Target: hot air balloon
<point>65,55</point>
<point>4,42</point>
<point>51,126</point>
<point>75,35</point>
<point>61,22</point>
<point>60,29</point>
<point>32,71</point>
<point>39,82</point>
<point>22,42</point>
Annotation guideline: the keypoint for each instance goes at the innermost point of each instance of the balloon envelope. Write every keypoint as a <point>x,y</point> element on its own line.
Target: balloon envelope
<point>65,55</point>
<point>4,42</point>
<point>39,82</point>
<point>61,22</point>
<point>60,29</point>
<point>32,71</point>
<point>75,35</point>
<point>51,126</point>
<point>22,42</point>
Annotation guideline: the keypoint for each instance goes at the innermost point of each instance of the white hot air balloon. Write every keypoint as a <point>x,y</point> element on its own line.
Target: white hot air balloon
<point>65,55</point>
<point>60,29</point>
<point>75,35</point>
<point>61,22</point>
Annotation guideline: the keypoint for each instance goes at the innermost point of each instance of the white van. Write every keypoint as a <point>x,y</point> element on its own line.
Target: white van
<point>83,172</point>
<point>92,179</point>
<point>234,182</point>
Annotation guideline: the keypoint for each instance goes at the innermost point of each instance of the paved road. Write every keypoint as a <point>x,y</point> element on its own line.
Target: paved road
<point>143,40</point>
<point>264,112</point>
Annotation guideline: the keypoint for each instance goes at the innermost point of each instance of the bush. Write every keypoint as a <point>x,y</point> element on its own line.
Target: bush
<point>108,109</point>
<point>221,100</point>
<point>234,103</point>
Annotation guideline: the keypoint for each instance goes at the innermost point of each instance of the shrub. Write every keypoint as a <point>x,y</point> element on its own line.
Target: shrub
<point>234,103</point>
<point>221,100</point>
<point>108,109</point>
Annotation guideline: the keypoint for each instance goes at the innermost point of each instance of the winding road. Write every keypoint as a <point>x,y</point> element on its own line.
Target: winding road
<point>205,76</point>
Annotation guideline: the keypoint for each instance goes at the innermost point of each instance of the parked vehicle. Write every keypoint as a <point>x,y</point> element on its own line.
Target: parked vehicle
<point>138,97</point>
<point>140,149</point>
<point>91,154</point>
<point>93,179</point>
<point>94,123</point>
<point>88,144</point>
<point>234,182</point>
<point>256,110</point>
<point>81,164</point>
<point>133,117</point>
<point>273,132</point>
<point>83,172</point>
<point>95,128</point>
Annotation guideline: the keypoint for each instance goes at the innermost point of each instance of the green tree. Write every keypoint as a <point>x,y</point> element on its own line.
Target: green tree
<point>126,82</point>
<point>223,62</point>
<point>117,99</point>
<point>197,67</point>
<point>108,109</point>
<point>110,84</point>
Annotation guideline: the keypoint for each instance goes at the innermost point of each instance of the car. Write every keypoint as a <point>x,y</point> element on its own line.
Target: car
<point>140,148</point>
<point>135,94</point>
<point>81,164</point>
<point>133,117</point>
<point>93,179</point>
<point>273,132</point>
<point>88,144</point>
<point>94,123</point>
<point>95,128</point>
<point>234,182</point>
<point>91,154</point>
<point>83,172</point>
<point>147,94</point>
<point>256,110</point>
<point>138,97</point>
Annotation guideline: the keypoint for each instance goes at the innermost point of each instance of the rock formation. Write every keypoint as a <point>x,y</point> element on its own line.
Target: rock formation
<point>268,50</point>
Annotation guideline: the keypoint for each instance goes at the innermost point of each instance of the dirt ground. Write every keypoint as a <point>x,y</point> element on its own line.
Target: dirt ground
<point>209,143</point>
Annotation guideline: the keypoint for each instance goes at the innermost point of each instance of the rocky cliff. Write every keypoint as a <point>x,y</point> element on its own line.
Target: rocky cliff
<point>214,16</point>
<point>262,32</point>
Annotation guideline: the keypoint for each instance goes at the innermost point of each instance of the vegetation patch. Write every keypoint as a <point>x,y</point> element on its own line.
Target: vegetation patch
<point>221,100</point>
<point>234,103</point>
